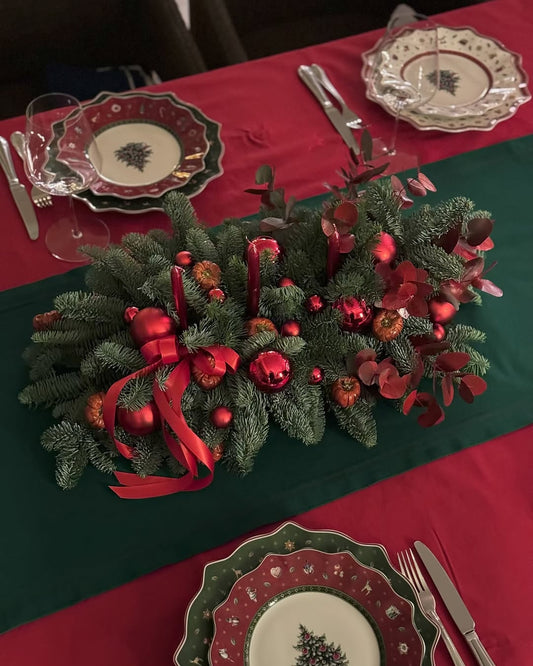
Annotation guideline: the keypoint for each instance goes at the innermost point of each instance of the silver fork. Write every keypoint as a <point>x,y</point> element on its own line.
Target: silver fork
<point>410,569</point>
<point>353,121</point>
<point>40,198</point>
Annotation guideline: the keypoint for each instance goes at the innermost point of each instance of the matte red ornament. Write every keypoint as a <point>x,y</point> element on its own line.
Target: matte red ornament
<point>221,417</point>
<point>270,371</point>
<point>385,250</point>
<point>140,421</point>
<point>439,332</point>
<point>291,328</point>
<point>216,294</point>
<point>183,259</point>
<point>356,313</point>
<point>286,282</point>
<point>315,303</point>
<point>43,321</point>
<point>151,324</point>
<point>316,375</point>
<point>441,311</point>
<point>130,313</point>
<point>269,245</point>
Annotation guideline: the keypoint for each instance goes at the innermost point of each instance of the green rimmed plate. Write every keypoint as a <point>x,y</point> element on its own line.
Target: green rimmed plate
<point>220,576</point>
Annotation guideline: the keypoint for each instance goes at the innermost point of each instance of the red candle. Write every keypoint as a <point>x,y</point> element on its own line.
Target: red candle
<point>334,253</point>
<point>176,275</point>
<point>253,280</point>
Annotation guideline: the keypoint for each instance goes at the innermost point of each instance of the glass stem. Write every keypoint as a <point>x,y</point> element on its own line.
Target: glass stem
<point>392,143</point>
<point>76,233</point>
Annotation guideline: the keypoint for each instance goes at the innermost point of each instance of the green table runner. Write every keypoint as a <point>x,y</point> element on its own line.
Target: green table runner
<point>59,547</point>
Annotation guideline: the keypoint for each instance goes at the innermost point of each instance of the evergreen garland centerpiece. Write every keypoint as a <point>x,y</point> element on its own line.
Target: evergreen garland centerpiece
<point>185,346</point>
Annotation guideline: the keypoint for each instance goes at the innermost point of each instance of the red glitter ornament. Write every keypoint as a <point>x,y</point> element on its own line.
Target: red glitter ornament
<point>270,371</point>
<point>316,375</point>
<point>291,328</point>
<point>356,313</point>
<point>269,245</point>
<point>221,417</point>
<point>139,421</point>
<point>216,294</point>
<point>385,250</point>
<point>315,303</point>
<point>183,259</point>
<point>286,282</point>
<point>130,313</point>
<point>151,324</point>
<point>441,311</point>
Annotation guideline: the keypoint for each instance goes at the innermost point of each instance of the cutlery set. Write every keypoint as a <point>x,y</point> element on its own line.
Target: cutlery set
<point>452,600</point>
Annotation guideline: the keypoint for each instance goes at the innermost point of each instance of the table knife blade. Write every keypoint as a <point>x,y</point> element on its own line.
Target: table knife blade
<point>18,191</point>
<point>308,77</point>
<point>454,603</point>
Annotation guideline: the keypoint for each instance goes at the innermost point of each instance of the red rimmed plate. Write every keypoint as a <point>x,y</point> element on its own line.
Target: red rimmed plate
<point>310,605</point>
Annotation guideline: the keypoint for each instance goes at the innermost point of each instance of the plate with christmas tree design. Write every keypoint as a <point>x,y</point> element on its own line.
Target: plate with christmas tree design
<point>150,144</point>
<point>309,608</point>
<point>219,577</point>
<point>481,82</point>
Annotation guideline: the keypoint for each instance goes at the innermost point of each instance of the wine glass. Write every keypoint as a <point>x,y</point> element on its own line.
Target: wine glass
<point>405,75</point>
<point>62,158</point>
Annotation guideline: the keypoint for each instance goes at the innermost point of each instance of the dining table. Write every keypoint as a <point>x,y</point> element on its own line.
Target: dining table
<point>87,578</point>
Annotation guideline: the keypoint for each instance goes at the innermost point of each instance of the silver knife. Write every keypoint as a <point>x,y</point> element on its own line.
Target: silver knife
<point>308,77</point>
<point>18,191</point>
<point>454,603</point>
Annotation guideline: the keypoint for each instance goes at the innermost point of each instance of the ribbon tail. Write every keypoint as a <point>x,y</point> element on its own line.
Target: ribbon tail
<point>134,487</point>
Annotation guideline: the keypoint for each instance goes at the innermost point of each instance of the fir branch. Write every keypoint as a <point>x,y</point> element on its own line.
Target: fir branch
<point>235,279</point>
<point>143,246</point>
<point>195,337</point>
<point>50,390</point>
<point>86,307</point>
<point>258,342</point>
<point>82,335</point>
<point>182,216</point>
<point>281,303</point>
<point>307,272</point>
<point>440,265</point>
<point>201,246</point>
<point>459,334</point>
<point>478,364</point>
<point>231,242</point>
<point>402,353</point>
<point>149,454</point>
<point>358,421</point>
<point>417,326</point>
<point>289,345</point>
<point>294,413</point>
<point>124,360</point>
<point>382,206</point>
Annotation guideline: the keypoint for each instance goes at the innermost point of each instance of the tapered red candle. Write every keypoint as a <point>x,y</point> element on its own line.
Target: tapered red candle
<point>176,276</point>
<point>253,280</point>
<point>334,253</point>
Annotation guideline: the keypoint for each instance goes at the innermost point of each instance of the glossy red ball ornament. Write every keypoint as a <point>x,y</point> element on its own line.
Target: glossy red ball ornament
<point>216,294</point>
<point>270,371</point>
<point>355,313</point>
<point>291,328</point>
<point>385,250</point>
<point>139,421</point>
<point>315,303</point>
<point>151,324</point>
<point>221,417</point>
<point>316,375</point>
<point>439,332</point>
<point>269,245</point>
<point>130,313</point>
<point>183,259</point>
<point>441,311</point>
<point>286,282</point>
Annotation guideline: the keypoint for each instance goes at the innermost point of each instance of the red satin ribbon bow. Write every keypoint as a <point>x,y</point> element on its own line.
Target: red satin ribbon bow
<point>185,446</point>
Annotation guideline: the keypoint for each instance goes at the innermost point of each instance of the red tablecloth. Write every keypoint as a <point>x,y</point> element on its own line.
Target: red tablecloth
<point>473,508</point>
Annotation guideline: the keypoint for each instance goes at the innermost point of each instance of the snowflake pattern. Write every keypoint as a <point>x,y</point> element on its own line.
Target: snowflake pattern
<point>134,154</point>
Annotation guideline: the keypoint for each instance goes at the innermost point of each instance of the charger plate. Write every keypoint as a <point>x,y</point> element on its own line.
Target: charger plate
<point>220,576</point>
<point>311,605</point>
<point>481,81</point>
<point>150,144</point>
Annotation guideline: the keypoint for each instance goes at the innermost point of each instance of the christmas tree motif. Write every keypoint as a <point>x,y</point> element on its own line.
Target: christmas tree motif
<point>448,80</point>
<point>134,154</point>
<point>315,651</point>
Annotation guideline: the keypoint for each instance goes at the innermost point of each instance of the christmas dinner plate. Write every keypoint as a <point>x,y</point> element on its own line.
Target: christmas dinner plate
<point>220,576</point>
<point>481,82</point>
<point>310,607</point>
<point>150,144</point>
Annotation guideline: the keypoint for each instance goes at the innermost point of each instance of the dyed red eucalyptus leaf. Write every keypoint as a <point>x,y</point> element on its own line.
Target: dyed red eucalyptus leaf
<point>391,385</point>
<point>449,240</point>
<point>472,269</point>
<point>416,188</point>
<point>426,182</point>
<point>451,361</point>
<point>367,145</point>
<point>477,385</point>
<point>447,390</point>
<point>434,413</point>
<point>478,230</point>
<point>367,372</point>
<point>409,402</point>
<point>489,288</point>
<point>264,175</point>
<point>433,348</point>
<point>346,212</point>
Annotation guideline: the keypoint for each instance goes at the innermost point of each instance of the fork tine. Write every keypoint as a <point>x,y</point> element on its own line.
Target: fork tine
<point>419,573</point>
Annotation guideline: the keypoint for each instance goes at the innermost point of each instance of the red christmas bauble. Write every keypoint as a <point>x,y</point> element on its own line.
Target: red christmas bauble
<point>216,294</point>
<point>183,259</point>
<point>385,250</point>
<point>439,332</point>
<point>267,244</point>
<point>441,311</point>
<point>316,375</point>
<point>140,421</point>
<point>270,371</point>
<point>286,282</point>
<point>291,328</point>
<point>356,313</point>
<point>221,417</point>
<point>130,313</point>
<point>151,324</point>
<point>315,303</point>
